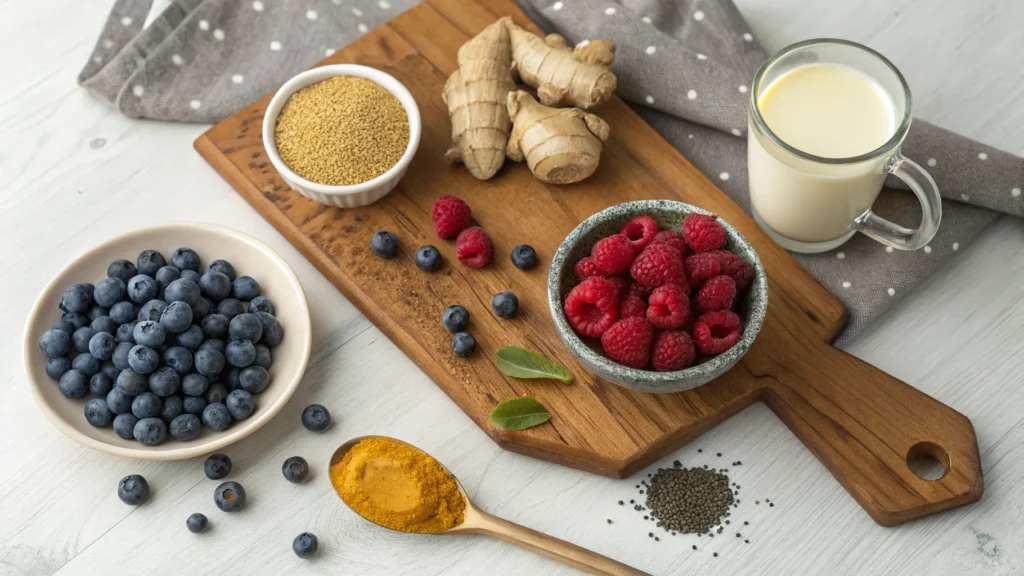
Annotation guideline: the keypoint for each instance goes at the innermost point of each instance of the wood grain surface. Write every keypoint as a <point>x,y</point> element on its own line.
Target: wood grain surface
<point>860,422</point>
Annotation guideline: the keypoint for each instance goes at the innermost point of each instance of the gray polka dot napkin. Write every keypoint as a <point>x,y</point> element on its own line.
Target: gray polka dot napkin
<point>686,66</point>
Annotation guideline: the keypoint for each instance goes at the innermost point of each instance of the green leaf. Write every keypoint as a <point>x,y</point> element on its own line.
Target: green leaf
<point>520,363</point>
<point>519,414</point>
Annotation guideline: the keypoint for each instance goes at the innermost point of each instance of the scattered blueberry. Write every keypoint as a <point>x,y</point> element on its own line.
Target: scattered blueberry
<point>142,289</point>
<point>273,333</point>
<point>86,364</point>
<point>119,401</point>
<point>77,319</point>
<point>524,257</point>
<point>166,275</point>
<point>152,310</point>
<point>173,407</point>
<point>190,275</point>
<point>245,327</point>
<point>384,244</point>
<point>184,427</point>
<point>109,291</point>
<point>463,343</point>
<point>179,359</point>
<point>80,339</point>
<point>104,324</point>
<point>455,318</point>
<point>122,269</point>
<point>133,489</point>
<point>216,416</point>
<point>149,333</point>
<point>197,522</point>
<point>102,345</point>
<point>150,431</point>
<point>149,262</point>
<point>77,298</point>
<point>143,359</point>
<point>97,413</point>
<point>101,384</point>
<point>240,353</point>
<point>261,304</point>
<point>201,308</point>
<point>164,382</point>
<point>216,325</point>
<point>253,379</point>
<point>120,355</point>
<point>428,258</point>
<point>217,466</point>
<point>122,313</point>
<point>64,326</point>
<point>194,405</point>
<point>224,267</point>
<point>229,496</point>
<point>295,469</point>
<point>214,344</point>
<point>132,383</point>
<point>56,367</point>
<point>216,393</point>
<point>245,288</point>
<point>209,362</point>
<point>124,425</point>
<point>263,358</point>
<point>505,304</point>
<point>147,405</point>
<point>215,286</point>
<point>56,343</point>
<point>73,384</point>
<point>305,545</point>
<point>185,259</point>
<point>316,418</point>
<point>177,317</point>
<point>182,290</point>
<point>194,384</point>
<point>240,404</point>
<point>230,307</point>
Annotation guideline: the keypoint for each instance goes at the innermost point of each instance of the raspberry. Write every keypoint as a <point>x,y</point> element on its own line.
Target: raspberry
<point>658,264</point>
<point>640,291</point>
<point>450,216</point>
<point>632,307</point>
<point>672,350</point>
<point>628,342</point>
<point>584,268</point>
<point>703,233</point>
<point>668,307</point>
<point>674,240</point>
<point>613,255</point>
<point>621,286</point>
<point>474,247</point>
<point>735,267</point>
<point>592,306</point>
<point>716,294</point>
<point>716,332</point>
<point>700,267</point>
<point>640,231</point>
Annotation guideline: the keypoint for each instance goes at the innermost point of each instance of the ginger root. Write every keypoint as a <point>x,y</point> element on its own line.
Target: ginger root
<point>476,97</point>
<point>563,76</point>
<point>560,145</point>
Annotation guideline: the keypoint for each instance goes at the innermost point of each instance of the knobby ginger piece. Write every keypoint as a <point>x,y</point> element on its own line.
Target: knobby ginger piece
<point>560,145</point>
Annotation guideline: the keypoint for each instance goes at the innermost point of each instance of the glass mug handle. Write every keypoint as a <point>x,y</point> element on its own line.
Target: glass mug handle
<point>923,186</point>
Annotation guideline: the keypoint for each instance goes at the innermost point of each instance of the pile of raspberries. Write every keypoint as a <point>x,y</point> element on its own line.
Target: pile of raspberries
<point>451,218</point>
<point>656,298</point>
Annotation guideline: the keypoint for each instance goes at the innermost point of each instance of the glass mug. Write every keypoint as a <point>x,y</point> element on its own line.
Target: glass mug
<point>810,203</point>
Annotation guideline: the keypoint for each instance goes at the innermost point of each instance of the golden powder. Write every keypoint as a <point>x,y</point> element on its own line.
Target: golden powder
<point>342,131</point>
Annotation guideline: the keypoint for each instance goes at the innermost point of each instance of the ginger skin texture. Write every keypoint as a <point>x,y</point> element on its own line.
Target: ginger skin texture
<point>560,145</point>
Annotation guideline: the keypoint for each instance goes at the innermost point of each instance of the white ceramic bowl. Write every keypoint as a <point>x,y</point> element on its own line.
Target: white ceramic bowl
<point>357,194</point>
<point>250,257</point>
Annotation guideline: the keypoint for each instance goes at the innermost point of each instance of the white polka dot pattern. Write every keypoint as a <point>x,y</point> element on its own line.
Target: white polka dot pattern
<point>138,90</point>
<point>218,34</point>
<point>932,162</point>
<point>311,14</point>
<point>126,21</point>
<point>651,49</point>
<point>982,156</point>
<point>177,60</point>
<point>257,6</point>
<point>723,176</point>
<point>195,104</point>
<point>275,45</point>
<point>698,15</point>
<point>557,6</point>
<point>610,11</point>
<point>237,78</point>
<point>204,25</point>
<point>649,99</point>
<point>692,94</point>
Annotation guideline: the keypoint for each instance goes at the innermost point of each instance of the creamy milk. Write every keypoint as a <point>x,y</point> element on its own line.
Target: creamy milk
<point>831,111</point>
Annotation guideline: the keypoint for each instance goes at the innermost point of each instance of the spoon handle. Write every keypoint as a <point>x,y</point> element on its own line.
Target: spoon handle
<point>553,548</point>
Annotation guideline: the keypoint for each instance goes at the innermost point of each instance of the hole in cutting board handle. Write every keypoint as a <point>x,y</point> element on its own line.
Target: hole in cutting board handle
<point>928,461</point>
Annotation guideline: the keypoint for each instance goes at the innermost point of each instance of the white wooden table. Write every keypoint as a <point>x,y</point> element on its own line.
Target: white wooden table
<point>74,173</point>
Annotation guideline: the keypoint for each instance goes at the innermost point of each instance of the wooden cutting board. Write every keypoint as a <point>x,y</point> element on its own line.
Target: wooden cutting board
<point>860,422</point>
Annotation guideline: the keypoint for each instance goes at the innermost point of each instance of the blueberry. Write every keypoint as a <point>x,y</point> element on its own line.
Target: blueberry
<point>305,545</point>
<point>245,288</point>
<point>120,355</point>
<point>166,275</point>
<point>245,327</point>
<point>191,275</point>
<point>428,258</point>
<point>216,417</point>
<point>217,466</point>
<point>104,324</point>
<point>200,309</point>
<point>455,318</point>
<point>150,431</point>
<point>143,359</point>
<point>164,382</point>
<point>222,266</point>
<point>240,404</point>
<point>133,489</point>
<point>194,405</point>
<point>119,401</point>
<point>110,370</point>
<point>56,343</point>
<point>142,289</point>
<point>463,344</point>
<point>185,259</point>
<point>122,269</point>
<point>253,379</point>
<point>173,407</point>
<point>177,317</point>
<point>261,304</point>
<point>97,311</point>
<point>209,362</point>
<point>384,244</point>
<point>263,358</point>
<point>230,307</point>
<point>102,345</point>
<point>184,427</point>
<point>524,257</point>
<point>131,382</point>
<point>295,469</point>
<point>182,290</point>
<point>122,313</point>
<point>80,339</point>
<point>232,379</point>
<point>109,291</point>
<point>147,405</point>
<point>316,418</point>
<point>77,319</point>
<point>240,353</point>
<point>216,325</point>
<point>152,310</point>
<point>73,384</point>
<point>64,326</point>
<point>215,286</point>
<point>214,344</point>
<point>194,384</point>
<point>272,331</point>
<point>124,425</point>
<point>101,384</point>
<point>87,364</point>
<point>229,496</point>
<point>216,393</point>
<point>505,304</point>
<point>97,413</point>
<point>77,298</point>
<point>124,334</point>
<point>197,522</point>
<point>149,262</point>
<point>56,367</point>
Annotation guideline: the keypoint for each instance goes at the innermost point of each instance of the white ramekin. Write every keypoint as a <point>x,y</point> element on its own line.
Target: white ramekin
<point>357,194</point>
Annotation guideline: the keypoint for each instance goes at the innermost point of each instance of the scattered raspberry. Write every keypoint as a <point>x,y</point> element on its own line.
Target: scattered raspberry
<point>674,240</point>
<point>621,286</point>
<point>640,291</point>
<point>735,267</point>
<point>716,294</point>
<point>592,306</point>
<point>584,268</point>
<point>628,342</point>
<point>716,332</point>
<point>640,231</point>
<point>450,216</point>
<point>668,307</point>
<point>632,307</point>
<point>658,264</point>
<point>672,350</point>
<point>474,247</point>
<point>700,267</point>
<point>703,233</point>
<point>613,255</point>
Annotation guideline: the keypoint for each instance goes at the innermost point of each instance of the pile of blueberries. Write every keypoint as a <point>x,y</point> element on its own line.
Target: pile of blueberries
<point>163,349</point>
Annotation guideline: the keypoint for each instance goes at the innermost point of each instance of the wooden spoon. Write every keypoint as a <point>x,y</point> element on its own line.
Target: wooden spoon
<point>476,521</point>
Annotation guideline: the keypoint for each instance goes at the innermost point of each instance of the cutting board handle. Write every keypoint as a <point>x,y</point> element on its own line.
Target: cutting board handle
<point>864,424</point>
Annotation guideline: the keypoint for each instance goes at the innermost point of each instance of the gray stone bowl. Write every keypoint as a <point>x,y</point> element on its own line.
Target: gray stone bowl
<point>668,214</point>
